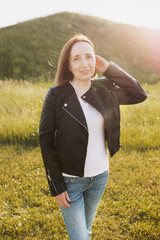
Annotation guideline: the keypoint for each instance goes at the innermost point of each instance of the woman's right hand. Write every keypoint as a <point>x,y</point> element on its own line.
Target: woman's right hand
<point>101,64</point>
<point>63,199</point>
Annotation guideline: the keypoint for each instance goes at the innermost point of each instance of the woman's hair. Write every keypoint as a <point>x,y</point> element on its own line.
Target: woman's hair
<point>64,75</point>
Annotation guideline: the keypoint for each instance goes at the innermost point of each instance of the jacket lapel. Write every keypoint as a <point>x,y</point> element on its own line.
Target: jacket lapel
<point>99,98</point>
<point>72,106</point>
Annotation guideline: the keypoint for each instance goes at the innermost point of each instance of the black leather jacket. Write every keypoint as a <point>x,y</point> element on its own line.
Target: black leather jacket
<point>63,131</point>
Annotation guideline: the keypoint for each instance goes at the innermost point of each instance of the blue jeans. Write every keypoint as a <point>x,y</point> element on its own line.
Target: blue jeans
<point>85,194</point>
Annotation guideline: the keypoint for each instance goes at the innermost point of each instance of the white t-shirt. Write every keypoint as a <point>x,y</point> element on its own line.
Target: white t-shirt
<point>97,160</point>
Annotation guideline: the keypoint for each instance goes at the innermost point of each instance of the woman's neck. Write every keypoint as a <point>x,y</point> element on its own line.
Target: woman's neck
<point>81,86</point>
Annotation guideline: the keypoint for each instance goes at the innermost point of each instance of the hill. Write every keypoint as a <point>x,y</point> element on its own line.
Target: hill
<point>26,48</point>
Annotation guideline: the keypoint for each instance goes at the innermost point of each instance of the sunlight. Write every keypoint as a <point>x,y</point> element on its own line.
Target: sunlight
<point>135,12</point>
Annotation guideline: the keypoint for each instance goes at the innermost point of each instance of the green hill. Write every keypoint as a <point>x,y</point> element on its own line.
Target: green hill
<point>26,48</point>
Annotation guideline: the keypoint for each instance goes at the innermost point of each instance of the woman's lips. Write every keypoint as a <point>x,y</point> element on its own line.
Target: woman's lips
<point>85,71</point>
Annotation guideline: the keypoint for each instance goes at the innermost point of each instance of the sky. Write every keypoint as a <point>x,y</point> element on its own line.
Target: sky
<point>143,13</point>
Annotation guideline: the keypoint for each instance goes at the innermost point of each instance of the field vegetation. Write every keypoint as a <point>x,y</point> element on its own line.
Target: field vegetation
<point>130,208</point>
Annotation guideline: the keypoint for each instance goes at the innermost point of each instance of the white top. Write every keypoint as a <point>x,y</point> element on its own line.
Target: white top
<point>97,160</point>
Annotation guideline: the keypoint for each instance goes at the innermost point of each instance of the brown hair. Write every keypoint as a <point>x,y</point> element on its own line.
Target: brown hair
<point>64,75</point>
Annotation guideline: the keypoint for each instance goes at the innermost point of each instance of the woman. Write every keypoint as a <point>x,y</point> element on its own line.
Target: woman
<point>80,114</point>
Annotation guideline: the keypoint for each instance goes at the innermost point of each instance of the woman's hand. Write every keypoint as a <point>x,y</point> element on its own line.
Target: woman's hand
<point>101,64</point>
<point>63,199</point>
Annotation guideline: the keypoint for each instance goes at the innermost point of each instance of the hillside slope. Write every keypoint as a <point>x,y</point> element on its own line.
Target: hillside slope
<point>26,48</point>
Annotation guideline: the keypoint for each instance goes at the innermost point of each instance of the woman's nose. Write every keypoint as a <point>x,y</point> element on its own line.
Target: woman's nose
<point>84,63</point>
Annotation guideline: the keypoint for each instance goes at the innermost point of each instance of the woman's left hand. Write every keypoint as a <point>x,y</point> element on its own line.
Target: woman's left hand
<point>101,64</point>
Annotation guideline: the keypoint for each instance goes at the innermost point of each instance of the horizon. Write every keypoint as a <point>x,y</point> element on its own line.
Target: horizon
<point>129,24</point>
<point>142,13</point>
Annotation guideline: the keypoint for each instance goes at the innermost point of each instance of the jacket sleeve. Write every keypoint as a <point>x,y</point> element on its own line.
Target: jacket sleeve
<point>47,130</point>
<point>127,88</point>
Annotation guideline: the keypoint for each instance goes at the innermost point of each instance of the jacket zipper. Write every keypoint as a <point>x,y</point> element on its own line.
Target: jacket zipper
<point>75,118</point>
<point>49,177</point>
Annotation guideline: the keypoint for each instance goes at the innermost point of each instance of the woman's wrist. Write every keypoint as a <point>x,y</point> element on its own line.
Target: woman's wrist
<point>106,66</point>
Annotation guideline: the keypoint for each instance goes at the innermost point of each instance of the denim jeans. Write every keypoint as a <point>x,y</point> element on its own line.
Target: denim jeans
<point>85,194</point>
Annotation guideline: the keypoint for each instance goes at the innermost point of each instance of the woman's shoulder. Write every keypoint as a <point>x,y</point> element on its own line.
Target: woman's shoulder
<point>103,82</point>
<point>54,89</point>
<point>51,93</point>
<point>100,81</point>
<point>58,91</point>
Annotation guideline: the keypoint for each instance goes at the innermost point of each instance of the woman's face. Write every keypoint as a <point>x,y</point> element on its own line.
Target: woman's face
<point>82,61</point>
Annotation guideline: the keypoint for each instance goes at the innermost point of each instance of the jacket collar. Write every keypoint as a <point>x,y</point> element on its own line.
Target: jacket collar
<point>95,96</point>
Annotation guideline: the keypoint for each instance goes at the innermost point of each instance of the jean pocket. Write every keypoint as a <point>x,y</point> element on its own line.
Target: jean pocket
<point>105,173</point>
<point>68,180</point>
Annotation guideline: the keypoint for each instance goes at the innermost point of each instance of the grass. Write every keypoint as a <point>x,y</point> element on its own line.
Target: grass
<point>20,106</point>
<point>141,122</point>
<point>130,208</point>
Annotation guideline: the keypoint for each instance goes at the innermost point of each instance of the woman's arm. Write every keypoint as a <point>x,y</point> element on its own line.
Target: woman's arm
<point>127,88</point>
<point>47,130</point>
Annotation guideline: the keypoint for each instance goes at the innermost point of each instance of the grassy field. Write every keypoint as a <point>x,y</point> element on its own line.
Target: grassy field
<point>130,208</point>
